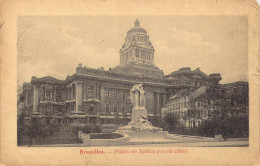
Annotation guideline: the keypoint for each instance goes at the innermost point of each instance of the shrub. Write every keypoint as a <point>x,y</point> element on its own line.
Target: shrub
<point>91,129</point>
<point>105,136</point>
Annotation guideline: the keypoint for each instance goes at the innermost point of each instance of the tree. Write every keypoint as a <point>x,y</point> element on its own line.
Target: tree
<point>22,130</point>
<point>173,124</point>
<point>39,129</point>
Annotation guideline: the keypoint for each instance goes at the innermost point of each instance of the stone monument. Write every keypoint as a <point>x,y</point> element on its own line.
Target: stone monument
<point>137,97</point>
<point>139,121</point>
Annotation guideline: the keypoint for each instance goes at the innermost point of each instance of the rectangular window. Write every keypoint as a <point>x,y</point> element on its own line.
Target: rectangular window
<point>115,108</point>
<point>123,96</point>
<point>137,53</point>
<point>48,95</point>
<point>115,95</point>
<point>181,105</point>
<point>58,96</point>
<point>123,109</point>
<point>48,109</point>
<point>107,108</point>
<point>107,94</point>
<point>92,107</point>
<point>142,56</point>
<point>74,107</point>
<point>90,93</point>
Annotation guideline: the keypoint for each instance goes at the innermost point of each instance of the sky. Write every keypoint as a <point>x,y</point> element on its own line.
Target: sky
<point>55,45</point>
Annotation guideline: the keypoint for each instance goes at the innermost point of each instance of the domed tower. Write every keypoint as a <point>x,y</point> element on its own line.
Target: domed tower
<point>137,47</point>
<point>137,54</point>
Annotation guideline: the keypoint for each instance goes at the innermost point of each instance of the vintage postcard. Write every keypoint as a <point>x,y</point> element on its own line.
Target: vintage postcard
<point>130,83</point>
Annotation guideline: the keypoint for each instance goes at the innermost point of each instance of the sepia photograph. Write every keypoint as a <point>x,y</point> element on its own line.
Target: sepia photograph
<point>115,82</point>
<point>88,81</point>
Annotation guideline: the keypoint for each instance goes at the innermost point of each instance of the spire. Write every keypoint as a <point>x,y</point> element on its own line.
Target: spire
<point>137,22</point>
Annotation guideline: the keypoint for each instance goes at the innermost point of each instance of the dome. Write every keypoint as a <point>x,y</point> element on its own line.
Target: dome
<point>137,28</point>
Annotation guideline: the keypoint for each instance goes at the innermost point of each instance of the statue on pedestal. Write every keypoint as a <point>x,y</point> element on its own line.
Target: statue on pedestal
<point>139,121</point>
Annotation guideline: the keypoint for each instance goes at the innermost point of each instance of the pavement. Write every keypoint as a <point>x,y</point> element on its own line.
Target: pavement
<point>198,144</point>
<point>162,143</point>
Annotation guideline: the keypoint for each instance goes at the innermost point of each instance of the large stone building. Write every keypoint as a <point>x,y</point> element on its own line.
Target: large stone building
<point>92,96</point>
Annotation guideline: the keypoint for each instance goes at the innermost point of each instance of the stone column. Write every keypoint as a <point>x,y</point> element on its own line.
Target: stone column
<point>164,99</point>
<point>157,103</point>
<point>71,93</point>
<point>102,98</point>
<point>98,92</point>
<point>68,93</point>
<point>134,53</point>
<point>79,87</point>
<point>42,91</point>
<point>86,91</point>
<point>152,57</point>
<point>36,97</point>
<point>54,94</point>
<point>95,92</point>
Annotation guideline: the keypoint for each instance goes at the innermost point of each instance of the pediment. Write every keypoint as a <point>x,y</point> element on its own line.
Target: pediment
<point>49,79</point>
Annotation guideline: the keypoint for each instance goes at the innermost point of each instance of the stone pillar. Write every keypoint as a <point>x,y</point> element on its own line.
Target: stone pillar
<point>152,57</point>
<point>102,98</point>
<point>98,92</point>
<point>54,94</point>
<point>164,99</point>
<point>36,97</point>
<point>95,92</point>
<point>42,93</point>
<point>83,90</point>
<point>134,53</point>
<point>157,103</point>
<point>68,93</point>
<point>71,93</point>
<point>86,91</point>
<point>79,87</point>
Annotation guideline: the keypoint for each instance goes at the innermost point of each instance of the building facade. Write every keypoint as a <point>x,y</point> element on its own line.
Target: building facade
<point>98,96</point>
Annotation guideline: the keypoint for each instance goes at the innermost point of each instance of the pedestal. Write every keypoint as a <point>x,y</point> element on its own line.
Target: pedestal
<point>139,123</point>
<point>138,113</point>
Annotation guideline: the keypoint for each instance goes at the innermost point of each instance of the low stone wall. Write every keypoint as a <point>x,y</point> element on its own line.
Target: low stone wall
<point>108,128</point>
<point>188,138</point>
<point>102,142</point>
<point>147,135</point>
